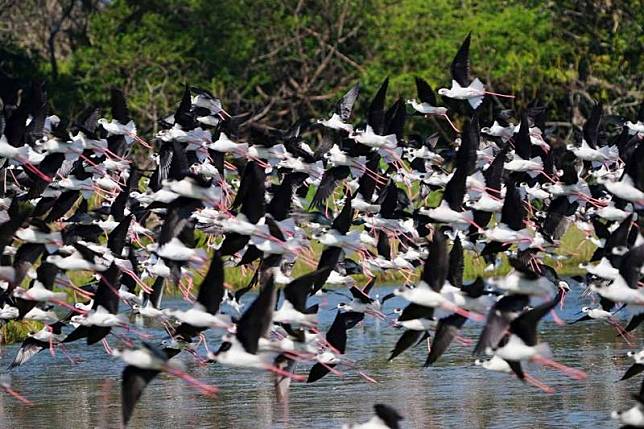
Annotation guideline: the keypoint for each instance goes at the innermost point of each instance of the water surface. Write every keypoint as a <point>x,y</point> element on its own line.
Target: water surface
<point>454,393</point>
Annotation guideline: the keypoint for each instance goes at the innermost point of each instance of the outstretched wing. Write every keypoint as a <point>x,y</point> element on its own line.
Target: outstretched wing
<point>461,63</point>
<point>133,381</point>
<point>425,92</point>
<point>345,105</point>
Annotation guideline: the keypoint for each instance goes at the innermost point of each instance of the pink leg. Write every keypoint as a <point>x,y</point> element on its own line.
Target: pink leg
<point>204,388</point>
<point>537,383</point>
<point>17,395</point>
<point>570,372</point>
<point>450,123</point>
<point>279,371</point>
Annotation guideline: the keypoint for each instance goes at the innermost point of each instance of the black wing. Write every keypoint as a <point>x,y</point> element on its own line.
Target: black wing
<point>521,263</point>
<point>619,237</point>
<point>494,173</point>
<point>360,295</point>
<point>327,185</point>
<point>455,190</point>
<point>476,289</point>
<point>367,184</point>
<point>415,311</point>
<point>107,291</point>
<point>118,237</point>
<point>591,127</point>
<point>461,64</point>
<point>336,336</point>
<point>581,319</point>
<point>376,113</point>
<point>525,326</point>
<point>117,210</point>
<point>345,105</point>
<point>522,142</point>
<point>388,415</point>
<point>184,116</point>
<point>296,292</point>
<point>498,321</point>
<point>388,200</point>
<point>425,92</point>
<point>456,264</point>
<point>342,222</point>
<point>406,340</point>
<point>133,381</point>
<point>465,163</point>
<point>29,348</point>
<point>120,111</point>
<point>631,266</point>
<point>253,204</point>
<point>446,330</point>
<point>395,119</point>
<point>384,247</point>
<point>367,289</point>
<point>318,371</point>
<point>634,322</point>
<point>329,259</point>
<point>436,264</point>
<point>558,210</point>
<point>256,320</point>
<point>632,371</point>
<point>513,211</point>
<point>211,290</point>
<point>157,292</point>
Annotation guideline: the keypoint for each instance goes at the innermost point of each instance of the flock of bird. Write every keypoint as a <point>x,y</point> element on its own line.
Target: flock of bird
<point>75,205</point>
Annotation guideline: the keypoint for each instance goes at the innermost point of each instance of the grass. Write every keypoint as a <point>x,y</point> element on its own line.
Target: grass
<point>573,246</point>
<point>15,331</point>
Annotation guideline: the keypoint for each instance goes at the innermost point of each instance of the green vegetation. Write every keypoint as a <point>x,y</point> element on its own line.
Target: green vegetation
<point>285,59</point>
<point>14,331</point>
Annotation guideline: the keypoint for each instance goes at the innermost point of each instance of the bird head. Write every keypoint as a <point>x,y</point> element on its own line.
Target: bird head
<point>225,347</point>
<point>400,291</point>
<point>563,285</point>
<point>620,250</point>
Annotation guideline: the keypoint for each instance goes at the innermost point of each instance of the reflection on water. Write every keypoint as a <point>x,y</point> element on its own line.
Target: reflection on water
<point>451,394</point>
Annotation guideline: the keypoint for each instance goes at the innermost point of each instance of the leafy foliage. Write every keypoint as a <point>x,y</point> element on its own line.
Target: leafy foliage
<point>283,60</point>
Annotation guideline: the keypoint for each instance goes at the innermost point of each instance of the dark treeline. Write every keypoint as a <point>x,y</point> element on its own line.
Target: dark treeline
<point>284,60</point>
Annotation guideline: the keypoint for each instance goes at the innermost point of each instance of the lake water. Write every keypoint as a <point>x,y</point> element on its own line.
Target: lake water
<point>454,393</point>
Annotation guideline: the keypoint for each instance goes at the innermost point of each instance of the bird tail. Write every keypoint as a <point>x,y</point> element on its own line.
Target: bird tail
<point>475,102</point>
<point>543,349</point>
<point>391,141</point>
